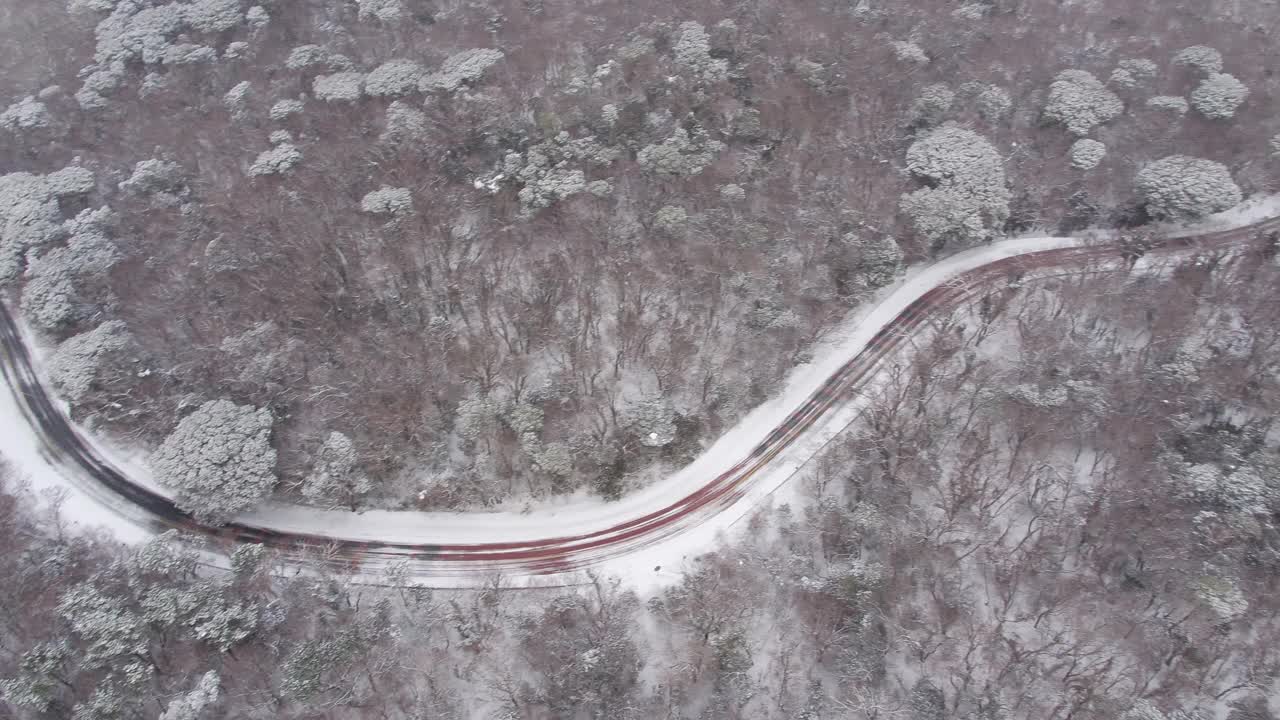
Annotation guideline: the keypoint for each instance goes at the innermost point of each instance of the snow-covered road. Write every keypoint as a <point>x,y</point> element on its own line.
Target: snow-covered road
<point>658,526</point>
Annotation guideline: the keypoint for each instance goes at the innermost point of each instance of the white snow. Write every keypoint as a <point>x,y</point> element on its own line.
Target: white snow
<point>667,548</point>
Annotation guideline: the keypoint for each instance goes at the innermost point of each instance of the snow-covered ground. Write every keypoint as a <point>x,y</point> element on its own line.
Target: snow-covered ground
<point>581,516</point>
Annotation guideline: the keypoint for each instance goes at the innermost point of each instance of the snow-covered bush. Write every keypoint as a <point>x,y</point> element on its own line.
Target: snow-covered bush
<point>336,478</point>
<point>404,123</point>
<point>1219,96</point>
<point>967,201</point>
<point>464,68</point>
<point>1086,154</point>
<point>670,219</point>
<point>1079,102</point>
<point>189,54</point>
<point>276,161</point>
<point>212,16</point>
<point>1132,72</point>
<point>993,102</point>
<point>932,105</point>
<point>279,137</point>
<point>384,10</point>
<point>51,297</point>
<point>236,50</point>
<point>909,52</point>
<point>692,52</point>
<point>305,57</point>
<point>1201,57</point>
<point>76,362</point>
<point>393,78</point>
<point>26,114</point>
<point>338,87</point>
<point>1184,188</point>
<point>284,108</point>
<point>155,177</point>
<point>387,201</point>
<point>236,100</point>
<point>1275,144</point>
<point>679,154</point>
<point>29,218</point>
<point>218,460</point>
<point>732,193</point>
<point>257,17</point>
<point>134,32</point>
<point>1169,103</point>
<point>547,173</point>
<point>873,261</point>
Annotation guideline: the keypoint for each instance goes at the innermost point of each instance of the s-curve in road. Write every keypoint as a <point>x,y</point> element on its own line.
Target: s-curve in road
<point>674,518</point>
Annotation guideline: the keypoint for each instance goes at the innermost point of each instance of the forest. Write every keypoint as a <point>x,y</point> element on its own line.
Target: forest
<point>454,255</point>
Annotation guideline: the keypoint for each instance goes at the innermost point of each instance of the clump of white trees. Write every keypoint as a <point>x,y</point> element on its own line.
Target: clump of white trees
<point>1079,102</point>
<point>965,200</point>
<point>218,461</point>
<point>1185,188</point>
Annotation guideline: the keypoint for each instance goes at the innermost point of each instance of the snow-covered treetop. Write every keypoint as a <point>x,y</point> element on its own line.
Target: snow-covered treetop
<point>338,87</point>
<point>1079,102</point>
<point>284,108</point>
<point>466,67</point>
<point>393,78</point>
<point>26,114</point>
<point>952,153</point>
<point>1178,187</point>
<point>1201,57</point>
<point>909,52</point>
<point>387,200</point>
<point>680,154</point>
<point>387,11</point>
<point>1087,153</point>
<point>692,51</point>
<point>276,161</point>
<point>967,200</point>
<point>76,361</point>
<point>1219,96</point>
<point>29,212</point>
<point>218,460</point>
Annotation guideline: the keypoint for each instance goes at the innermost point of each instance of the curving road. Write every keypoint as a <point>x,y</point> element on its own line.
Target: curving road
<point>565,552</point>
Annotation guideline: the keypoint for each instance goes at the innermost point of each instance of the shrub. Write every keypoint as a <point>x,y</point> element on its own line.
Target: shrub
<point>393,78</point>
<point>387,201</point>
<point>1184,188</point>
<point>1201,57</point>
<point>218,460</point>
<point>670,219</point>
<point>76,362</point>
<point>26,114</point>
<point>1219,96</point>
<point>692,50</point>
<point>1086,154</point>
<point>237,100</point>
<point>276,161</point>
<point>1132,72</point>
<point>338,87</point>
<point>932,105</point>
<point>382,10</point>
<point>213,16</point>
<point>284,108</point>
<point>679,154</point>
<point>464,68</point>
<point>909,52</point>
<point>1079,102</point>
<point>404,123</point>
<point>336,478</point>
